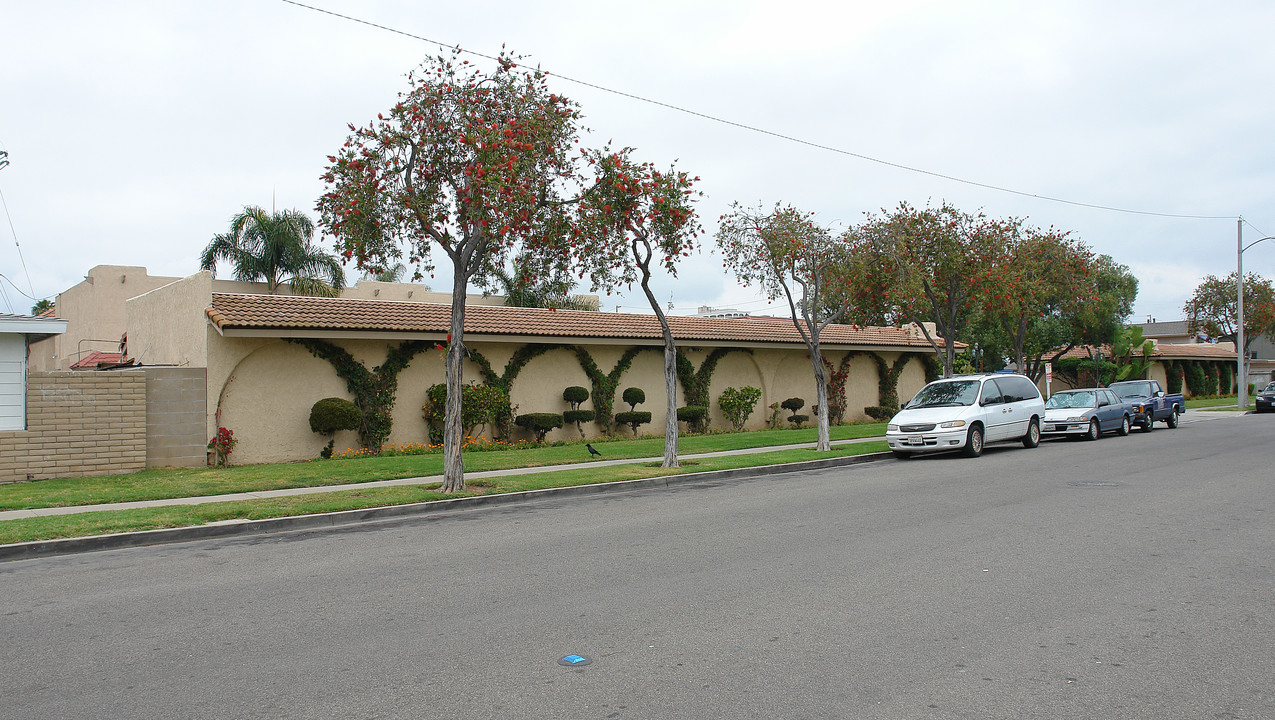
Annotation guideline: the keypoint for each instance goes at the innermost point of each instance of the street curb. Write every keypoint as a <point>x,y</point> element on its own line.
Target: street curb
<point>96,543</point>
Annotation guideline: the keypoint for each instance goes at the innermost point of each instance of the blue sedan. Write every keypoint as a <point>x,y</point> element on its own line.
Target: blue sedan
<point>1087,413</point>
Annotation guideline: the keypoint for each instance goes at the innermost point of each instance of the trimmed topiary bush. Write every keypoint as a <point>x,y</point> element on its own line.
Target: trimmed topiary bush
<point>633,419</point>
<point>634,397</point>
<point>793,405</point>
<point>578,417</point>
<point>738,404</point>
<point>539,423</point>
<point>575,395</point>
<point>329,415</point>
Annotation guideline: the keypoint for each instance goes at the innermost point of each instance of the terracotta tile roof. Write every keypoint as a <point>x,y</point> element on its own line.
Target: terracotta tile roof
<point>292,315</point>
<point>1187,351</point>
<point>96,359</point>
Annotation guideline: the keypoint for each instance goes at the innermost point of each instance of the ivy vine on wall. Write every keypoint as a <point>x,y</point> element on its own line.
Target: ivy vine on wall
<point>374,391</point>
<point>604,384</point>
<point>837,386</point>
<point>503,421</point>
<point>695,383</point>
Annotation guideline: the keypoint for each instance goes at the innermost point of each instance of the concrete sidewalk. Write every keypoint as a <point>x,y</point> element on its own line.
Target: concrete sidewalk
<point>231,497</point>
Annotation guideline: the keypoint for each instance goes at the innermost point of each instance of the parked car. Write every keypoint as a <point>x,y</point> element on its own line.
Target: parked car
<point>1265,400</point>
<point>1150,403</point>
<point>965,413</point>
<point>1087,413</point>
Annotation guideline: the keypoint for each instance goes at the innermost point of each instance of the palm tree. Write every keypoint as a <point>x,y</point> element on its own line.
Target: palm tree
<point>277,248</point>
<point>528,285</point>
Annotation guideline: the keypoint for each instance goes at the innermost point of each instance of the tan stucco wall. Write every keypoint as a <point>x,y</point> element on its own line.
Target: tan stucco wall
<point>263,389</point>
<point>166,326</point>
<point>94,311</point>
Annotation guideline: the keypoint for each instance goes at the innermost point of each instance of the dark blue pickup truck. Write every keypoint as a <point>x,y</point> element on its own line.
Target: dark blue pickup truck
<point>1149,403</point>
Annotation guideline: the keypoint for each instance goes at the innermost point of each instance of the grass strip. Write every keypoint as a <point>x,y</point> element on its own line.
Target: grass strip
<point>117,521</point>
<point>168,483</point>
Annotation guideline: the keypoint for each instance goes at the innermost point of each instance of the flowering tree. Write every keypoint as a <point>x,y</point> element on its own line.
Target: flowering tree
<point>1042,276</point>
<point>1213,311</point>
<point>638,216</point>
<point>934,265</point>
<point>471,162</point>
<point>786,254</point>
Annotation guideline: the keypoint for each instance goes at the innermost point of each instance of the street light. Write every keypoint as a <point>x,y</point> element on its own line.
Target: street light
<point>1241,357</point>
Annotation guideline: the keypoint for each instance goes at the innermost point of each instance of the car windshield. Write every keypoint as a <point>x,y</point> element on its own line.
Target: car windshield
<point>1071,400</point>
<point>1269,388</point>
<point>956,392</point>
<point>1133,390</point>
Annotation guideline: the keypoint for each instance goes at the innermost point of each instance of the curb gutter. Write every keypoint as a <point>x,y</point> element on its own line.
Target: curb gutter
<point>66,546</point>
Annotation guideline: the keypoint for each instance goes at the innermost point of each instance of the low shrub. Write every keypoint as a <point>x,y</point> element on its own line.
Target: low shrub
<point>479,405</point>
<point>876,412</point>
<point>798,420</point>
<point>695,417</point>
<point>738,404</point>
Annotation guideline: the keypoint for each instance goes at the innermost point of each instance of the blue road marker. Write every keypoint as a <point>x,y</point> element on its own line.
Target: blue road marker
<point>574,660</point>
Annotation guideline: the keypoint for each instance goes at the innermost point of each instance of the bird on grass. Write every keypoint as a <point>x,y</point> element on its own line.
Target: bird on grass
<point>592,451</point>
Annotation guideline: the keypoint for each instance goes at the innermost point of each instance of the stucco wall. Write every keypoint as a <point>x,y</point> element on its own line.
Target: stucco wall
<point>94,311</point>
<point>263,389</point>
<point>166,325</point>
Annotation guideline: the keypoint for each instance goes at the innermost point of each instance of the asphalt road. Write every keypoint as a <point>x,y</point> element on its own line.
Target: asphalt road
<point>1123,578</point>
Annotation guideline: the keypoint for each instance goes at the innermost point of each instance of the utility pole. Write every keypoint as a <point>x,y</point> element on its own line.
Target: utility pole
<point>1240,360</point>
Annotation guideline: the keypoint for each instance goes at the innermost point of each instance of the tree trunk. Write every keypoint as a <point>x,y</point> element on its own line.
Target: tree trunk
<point>453,462</point>
<point>821,394</point>
<point>670,394</point>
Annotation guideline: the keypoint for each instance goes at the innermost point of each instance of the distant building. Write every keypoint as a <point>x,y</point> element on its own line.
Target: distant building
<point>706,311</point>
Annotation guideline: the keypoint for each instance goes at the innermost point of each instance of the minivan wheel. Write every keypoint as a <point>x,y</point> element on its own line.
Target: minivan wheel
<point>1032,438</point>
<point>1124,426</point>
<point>1094,431</point>
<point>974,442</point>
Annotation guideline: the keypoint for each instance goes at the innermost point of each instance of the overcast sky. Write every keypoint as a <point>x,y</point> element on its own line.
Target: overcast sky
<point>135,130</point>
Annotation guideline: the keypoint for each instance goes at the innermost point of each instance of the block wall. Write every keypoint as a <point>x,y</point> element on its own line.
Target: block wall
<point>176,417</point>
<point>78,423</point>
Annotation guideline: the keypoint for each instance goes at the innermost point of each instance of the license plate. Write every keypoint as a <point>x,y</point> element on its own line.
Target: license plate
<point>916,440</point>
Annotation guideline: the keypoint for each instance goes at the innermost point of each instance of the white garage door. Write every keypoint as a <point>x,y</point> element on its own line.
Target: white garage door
<point>13,386</point>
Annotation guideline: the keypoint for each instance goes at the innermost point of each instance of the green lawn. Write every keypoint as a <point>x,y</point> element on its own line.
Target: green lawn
<point>99,523</point>
<point>164,483</point>
<point>1226,402</point>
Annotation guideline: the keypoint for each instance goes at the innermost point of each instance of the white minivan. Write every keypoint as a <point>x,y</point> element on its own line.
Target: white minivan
<point>965,413</point>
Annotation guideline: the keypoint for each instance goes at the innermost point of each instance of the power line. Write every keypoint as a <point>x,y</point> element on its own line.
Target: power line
<point>782,136</point>
<point>4,162</point>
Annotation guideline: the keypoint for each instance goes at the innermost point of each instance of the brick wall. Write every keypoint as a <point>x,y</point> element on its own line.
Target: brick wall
<point>78,423</point>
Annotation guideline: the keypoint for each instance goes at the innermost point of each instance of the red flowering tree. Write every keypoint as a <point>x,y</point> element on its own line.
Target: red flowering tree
<point>936,265</point>
<point>470,162</point>
<point>631,218</point>
<point>1043,276</point>
<point>786,254</point>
